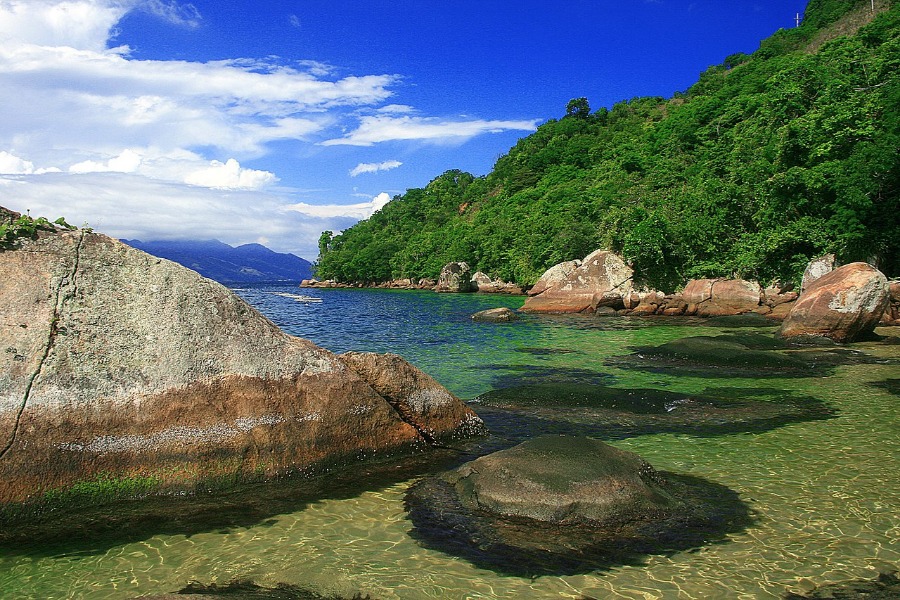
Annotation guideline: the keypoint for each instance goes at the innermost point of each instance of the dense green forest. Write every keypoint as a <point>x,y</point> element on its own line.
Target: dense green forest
<point>768,160</point>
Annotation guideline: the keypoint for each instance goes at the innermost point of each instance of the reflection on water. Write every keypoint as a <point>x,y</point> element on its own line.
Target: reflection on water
<point>825,493</point>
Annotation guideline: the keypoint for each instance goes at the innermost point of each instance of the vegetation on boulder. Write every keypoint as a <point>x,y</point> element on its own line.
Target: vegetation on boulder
<point>767,161</point>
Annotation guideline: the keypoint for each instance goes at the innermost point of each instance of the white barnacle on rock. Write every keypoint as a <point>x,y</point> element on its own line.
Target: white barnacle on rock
<point>173,436</point>
<point>423,399</point>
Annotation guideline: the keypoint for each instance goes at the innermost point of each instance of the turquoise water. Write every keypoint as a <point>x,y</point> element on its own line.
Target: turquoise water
<point>824,493</point>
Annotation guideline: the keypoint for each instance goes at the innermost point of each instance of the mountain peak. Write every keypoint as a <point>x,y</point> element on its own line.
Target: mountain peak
<point>248,263</point>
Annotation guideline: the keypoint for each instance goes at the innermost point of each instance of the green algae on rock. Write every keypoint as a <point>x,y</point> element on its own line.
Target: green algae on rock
<point>564,505</point>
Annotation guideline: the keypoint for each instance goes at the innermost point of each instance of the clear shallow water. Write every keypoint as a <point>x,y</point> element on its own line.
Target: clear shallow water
<point>825,493</point>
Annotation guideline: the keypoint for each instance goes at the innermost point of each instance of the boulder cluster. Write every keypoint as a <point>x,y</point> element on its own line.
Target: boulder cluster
<point>841,304</point>
<point>456,277</point>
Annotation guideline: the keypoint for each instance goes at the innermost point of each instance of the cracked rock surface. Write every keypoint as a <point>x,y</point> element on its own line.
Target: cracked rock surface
<point>117,363</point>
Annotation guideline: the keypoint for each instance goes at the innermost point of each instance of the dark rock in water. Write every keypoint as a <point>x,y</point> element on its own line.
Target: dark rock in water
<point>247,590</point>
<point>507,375</point>
<point>751,355</point>
<point>891,385</point>
<point>616,413</point>
<point>885,587</point>
<point>564,505</point>
<point>496,315</point>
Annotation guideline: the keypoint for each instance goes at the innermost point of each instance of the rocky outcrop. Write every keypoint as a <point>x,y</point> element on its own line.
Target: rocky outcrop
<point>602,279</point>
<point>843,305</point>
<point>718,297</point>
<point>554,276</point>
<point>496,315</point>
<point>487,285</point>
<point>565,504</point>
<point>456,277</point>
<point>892,312</point>
<point>117,364</point>
<point>815,269</point>
<point>416,396</point>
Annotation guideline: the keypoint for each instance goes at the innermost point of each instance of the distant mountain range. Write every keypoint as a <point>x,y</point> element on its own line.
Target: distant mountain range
<point>250,263</point>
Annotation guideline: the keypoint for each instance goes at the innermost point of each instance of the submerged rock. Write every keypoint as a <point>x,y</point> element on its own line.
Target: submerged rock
<point>723,355</point>
<point>133,370</point>
<point>884,587</point>
<point>616,413</point>
<point>496,315</point>
<point>844,305</point>
<point>559,504</point>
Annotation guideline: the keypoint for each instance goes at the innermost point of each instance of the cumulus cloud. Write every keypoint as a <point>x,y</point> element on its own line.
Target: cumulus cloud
<point>383,128</point>
<point>13,165</point>
<point>374,167</point>
<point>126,162</point>
<point>362,210</point>
<point>230,176</point>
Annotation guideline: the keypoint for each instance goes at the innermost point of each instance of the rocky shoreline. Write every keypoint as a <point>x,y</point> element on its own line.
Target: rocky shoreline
<point>602,284</point>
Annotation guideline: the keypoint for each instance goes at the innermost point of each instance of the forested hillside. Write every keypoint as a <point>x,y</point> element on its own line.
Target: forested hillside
<point>767,160</point>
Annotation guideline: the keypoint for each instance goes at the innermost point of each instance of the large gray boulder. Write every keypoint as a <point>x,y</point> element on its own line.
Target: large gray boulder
<point>456,277</point>
<point>119,365</point>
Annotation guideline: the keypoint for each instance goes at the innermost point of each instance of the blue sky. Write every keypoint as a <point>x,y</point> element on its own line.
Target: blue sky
<point>253,121</point>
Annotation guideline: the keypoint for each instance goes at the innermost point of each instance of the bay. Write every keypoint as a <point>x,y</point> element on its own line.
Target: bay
<point>824,492</point>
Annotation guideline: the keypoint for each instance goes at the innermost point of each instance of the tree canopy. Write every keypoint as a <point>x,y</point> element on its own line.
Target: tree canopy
<point>767,161</point>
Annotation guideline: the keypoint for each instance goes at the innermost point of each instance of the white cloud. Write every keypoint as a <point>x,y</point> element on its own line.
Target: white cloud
<point>128,205</point>
<point>363,210</point>
<point>374,167</point>
<point>230,176</point>
<point>396,109</point>
<point>152,149</point>
<point>13,165</point>
<point>376,129</point>
<point>84,25</point>
<point>126,162</point>
<point>185,15</point>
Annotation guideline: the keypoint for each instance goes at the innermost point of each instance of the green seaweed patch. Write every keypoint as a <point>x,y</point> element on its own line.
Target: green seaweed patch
<point>730,355</point>
<point>517,375</point>
<point>616,413</point>
<point>891,385</point>
<point>245,589</point>
<point>105,488</point>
